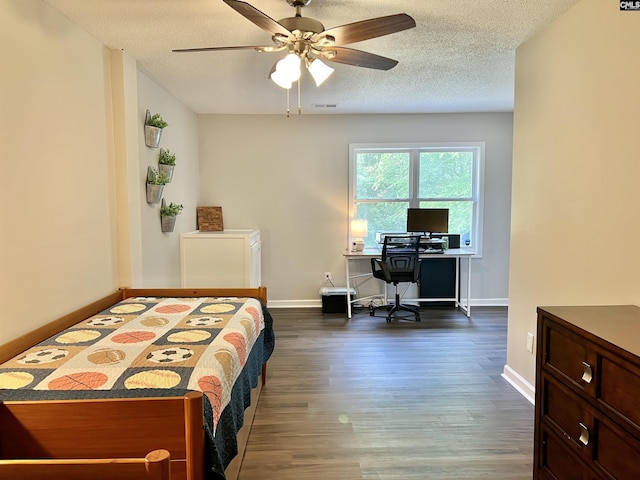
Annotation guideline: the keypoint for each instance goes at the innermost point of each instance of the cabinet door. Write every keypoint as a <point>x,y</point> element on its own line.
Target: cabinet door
<point>214,262</point>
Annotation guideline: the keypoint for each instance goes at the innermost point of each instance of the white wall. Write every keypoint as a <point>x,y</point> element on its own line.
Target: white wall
<point>76,225</point>
<point>575,171</point>
<point>160,251</point>
<point>289,177</point>
<point>57,228</point>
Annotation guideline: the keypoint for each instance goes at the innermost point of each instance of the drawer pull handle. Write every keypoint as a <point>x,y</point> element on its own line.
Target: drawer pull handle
<point>587,373</point>
<point>584,434</point>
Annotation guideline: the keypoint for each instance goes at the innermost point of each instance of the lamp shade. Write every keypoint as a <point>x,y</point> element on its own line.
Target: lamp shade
<point>287,71</point>
<point>359,228</point>
<point>319,71</point>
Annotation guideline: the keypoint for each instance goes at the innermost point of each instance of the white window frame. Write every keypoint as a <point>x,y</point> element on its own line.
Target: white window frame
<point>478,150</point>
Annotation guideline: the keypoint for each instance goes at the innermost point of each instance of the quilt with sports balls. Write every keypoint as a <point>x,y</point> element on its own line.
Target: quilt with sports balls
<point>147,343</point>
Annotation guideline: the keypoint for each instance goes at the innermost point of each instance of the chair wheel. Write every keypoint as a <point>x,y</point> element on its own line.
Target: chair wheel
<point>417,318</point>
<point>388,320</point>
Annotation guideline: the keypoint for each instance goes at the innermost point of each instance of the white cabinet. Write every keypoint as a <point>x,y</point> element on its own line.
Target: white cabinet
<point>230,258</point>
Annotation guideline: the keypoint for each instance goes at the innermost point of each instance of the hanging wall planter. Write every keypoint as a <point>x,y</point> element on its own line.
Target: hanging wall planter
<point>155,185</point>
<point>168,223</point>
<point>153,125</point>
<point>167,162</point>
<point>168,214</point>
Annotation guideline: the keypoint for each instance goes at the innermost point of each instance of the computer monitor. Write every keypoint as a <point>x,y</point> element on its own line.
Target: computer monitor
<point>430,220</point>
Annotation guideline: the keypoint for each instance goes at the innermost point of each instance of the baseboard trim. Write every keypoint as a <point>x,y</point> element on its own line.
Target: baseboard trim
<point>527,390</point>
<point>294,304</point>
<point>317,303</point>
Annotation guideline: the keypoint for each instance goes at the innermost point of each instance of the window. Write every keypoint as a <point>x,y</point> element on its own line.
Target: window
<point>385,180</point>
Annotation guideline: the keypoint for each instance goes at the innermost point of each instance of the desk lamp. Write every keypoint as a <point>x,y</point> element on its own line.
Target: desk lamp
<point>359,229</point>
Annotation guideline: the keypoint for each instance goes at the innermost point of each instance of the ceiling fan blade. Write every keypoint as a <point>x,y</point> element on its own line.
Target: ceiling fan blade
<point>258,48</point>
<point>366,29</point>
<point>262,20</point>
<point>350,56</point>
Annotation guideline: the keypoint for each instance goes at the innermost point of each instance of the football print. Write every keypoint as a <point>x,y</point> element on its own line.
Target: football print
<point>204,321</point>
<point>170,355</point>
<point>43,356</point>
<point>105,321</point>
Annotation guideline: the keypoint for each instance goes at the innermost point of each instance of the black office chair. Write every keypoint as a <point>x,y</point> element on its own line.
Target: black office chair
<point>400,263</point>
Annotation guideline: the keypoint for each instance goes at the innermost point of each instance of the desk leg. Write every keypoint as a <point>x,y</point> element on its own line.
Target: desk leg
<point>457,287</point>
<point>468,287</point>
<point>346,261</point>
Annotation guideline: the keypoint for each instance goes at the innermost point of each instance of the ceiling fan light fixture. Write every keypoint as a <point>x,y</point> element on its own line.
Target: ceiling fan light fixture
<point>289,66</point>
<point>280,79</point>
<point>319,70</point>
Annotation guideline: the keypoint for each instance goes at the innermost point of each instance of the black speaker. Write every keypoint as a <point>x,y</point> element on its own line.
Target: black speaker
<point>454,238</point>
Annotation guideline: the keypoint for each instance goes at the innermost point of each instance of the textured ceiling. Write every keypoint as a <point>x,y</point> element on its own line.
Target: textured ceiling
<point>459,58</point>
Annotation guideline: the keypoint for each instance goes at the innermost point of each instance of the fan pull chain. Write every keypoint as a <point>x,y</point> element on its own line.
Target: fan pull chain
<point>288,109</point>
<point>299,106</point>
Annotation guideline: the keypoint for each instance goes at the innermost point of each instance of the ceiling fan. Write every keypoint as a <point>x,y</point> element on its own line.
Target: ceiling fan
<point>305,39</point>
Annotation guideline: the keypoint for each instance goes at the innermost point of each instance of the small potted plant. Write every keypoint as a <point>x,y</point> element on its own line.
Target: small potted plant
<point>166,162</point>
<point>168,214</point>
<point>153,125</point>
<point>155,185</point>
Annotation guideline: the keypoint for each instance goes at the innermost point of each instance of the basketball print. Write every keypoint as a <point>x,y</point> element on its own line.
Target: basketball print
<point>47,355</point>
<point>204,321</point>
<point>78,381</point>
<point>106,356</point>
<point>15,380</point>
<point>238,341</point>
<point>188,336</point>
<point>170,355</point>
<point>218,308</point>
<point>211,386</point>
<point>136,336</point>
<point>105,321</point>
<point>128,308</point>
<point>78,336</point>
<point>173,308</point>
<point>153,379</point>
<point>255,314</point>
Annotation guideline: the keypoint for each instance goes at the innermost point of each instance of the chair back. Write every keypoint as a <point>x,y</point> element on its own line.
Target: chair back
<point>401,258</point>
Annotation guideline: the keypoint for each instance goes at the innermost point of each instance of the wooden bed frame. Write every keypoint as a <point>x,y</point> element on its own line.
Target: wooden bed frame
<point>120,430</point>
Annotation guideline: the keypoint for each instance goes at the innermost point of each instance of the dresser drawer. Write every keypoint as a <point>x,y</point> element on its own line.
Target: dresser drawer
<point>569,416</point>
<point>570,357</point>
<point>617,453</point>
<point>557,462</point>
<point>619,390</point>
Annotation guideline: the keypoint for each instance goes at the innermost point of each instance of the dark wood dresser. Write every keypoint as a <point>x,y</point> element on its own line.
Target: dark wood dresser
<point>587,414</point>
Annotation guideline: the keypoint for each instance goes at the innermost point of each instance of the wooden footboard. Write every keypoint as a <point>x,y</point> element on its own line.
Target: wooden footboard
<point>106,428</point>
<point>153,466</point>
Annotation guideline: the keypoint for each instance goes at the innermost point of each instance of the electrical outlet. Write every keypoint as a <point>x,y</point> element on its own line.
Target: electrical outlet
<point>530,339</point>
<point>327,277</point>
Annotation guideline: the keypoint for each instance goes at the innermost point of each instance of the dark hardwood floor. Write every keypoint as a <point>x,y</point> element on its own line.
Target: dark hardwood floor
<point>363,399</point>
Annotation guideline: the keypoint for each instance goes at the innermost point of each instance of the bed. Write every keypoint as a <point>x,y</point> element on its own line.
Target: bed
<point>169,369</point>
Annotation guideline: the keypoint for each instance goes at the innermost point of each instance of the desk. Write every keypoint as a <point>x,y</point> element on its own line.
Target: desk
<point>369,253</point>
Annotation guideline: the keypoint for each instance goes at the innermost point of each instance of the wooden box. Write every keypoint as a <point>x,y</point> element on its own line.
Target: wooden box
<point>210,219</point>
